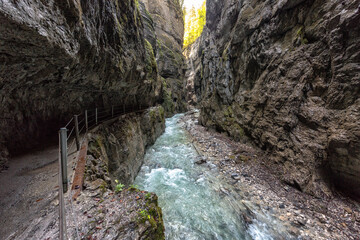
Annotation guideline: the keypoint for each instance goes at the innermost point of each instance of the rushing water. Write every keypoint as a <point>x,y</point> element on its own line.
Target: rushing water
<point>193,206</point>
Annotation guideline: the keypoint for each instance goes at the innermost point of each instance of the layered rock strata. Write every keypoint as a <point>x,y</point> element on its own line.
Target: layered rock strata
<point>286,75</point>
<point>115,155</point>
<point>60,57</point>
<point>121,144</point>
<point>166,39</point>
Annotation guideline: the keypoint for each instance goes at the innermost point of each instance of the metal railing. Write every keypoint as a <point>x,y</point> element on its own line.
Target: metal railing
<point>78,126</point>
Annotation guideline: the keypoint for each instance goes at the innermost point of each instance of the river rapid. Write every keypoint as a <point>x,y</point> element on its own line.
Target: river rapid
<point>193,198</point>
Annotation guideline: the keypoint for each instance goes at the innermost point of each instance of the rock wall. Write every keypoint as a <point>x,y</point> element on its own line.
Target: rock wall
<point>193,74</point>
<point>286,75</point>
<point>115,153</point>
<point>166,39</point>
<point>121,144</point>
<point>58,58</point>
<point>105,214</point>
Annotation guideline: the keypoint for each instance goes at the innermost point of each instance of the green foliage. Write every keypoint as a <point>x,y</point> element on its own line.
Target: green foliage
<point>184,11</point>
<point>134,186</point>
<point>144,215</point>
<point>119,187</point>
<point>195,20</point>
<point>147,196</point>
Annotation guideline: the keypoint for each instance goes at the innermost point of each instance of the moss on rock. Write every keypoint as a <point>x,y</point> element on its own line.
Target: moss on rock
<point>151,64</point>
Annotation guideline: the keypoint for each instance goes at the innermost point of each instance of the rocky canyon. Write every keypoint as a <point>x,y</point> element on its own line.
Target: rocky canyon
<point>285,75</point>
<point>59,57</point>
<point>250,132</point>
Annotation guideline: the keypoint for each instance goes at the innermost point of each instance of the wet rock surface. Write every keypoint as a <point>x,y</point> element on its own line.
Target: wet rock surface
<point>286,75</point>
<point>245,168</point>
<point>121,144</point>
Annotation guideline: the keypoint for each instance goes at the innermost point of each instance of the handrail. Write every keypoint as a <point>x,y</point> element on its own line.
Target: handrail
<point>97,116</point>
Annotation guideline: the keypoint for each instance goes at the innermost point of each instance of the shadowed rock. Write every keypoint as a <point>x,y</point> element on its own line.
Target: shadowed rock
<point>286,75</point>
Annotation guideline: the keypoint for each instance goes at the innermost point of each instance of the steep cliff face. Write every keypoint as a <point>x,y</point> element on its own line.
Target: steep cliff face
<point>121,144</point>
<point>115,155</point>
<point>286,74</point>
<point>61,57</point>
<point>166,38</point>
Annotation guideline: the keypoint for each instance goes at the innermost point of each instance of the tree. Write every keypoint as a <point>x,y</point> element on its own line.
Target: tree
<point>195,21</point>
<point>184,10</point>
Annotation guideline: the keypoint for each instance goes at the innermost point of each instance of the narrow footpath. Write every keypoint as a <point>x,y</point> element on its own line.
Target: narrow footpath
<point>29,193</point>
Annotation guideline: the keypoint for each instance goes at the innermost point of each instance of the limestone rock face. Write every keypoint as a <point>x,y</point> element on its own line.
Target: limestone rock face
<point>168,28</point>
<point>122,143</point>
<point>286,74</point>
<point>61,57</point>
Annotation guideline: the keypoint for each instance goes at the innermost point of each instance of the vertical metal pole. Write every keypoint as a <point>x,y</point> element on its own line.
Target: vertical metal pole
<point>77,135</point>
<point>61,193</point>
<point>112,111</point>
<point>63,149</point>
<point>96,117</point>
<point>86,121</point>
<point>62,182</point>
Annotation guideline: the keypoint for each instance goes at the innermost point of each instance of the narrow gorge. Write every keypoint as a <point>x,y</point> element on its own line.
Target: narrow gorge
<point>249,129</point>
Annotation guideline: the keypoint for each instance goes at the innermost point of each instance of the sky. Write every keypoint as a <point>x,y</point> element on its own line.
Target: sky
<point>196,3</point>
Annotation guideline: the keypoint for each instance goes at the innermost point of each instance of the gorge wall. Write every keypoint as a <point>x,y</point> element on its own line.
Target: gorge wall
<point>61,57</point>
<point>166,38</point>
<point>285,74</point>
<point>121,144</point>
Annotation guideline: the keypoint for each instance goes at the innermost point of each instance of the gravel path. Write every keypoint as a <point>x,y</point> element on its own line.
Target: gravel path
<point>29,194</point>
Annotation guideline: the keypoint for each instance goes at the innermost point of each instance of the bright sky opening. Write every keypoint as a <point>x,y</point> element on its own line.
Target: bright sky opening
<point>196,3</point>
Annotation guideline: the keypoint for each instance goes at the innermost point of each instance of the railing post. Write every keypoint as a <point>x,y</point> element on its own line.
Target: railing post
<point>62,181</point>
<point>112,111</point>
<point>77,135</point>
<point>86,121</point>
<point>63,149</point>
<point>96,116</point>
